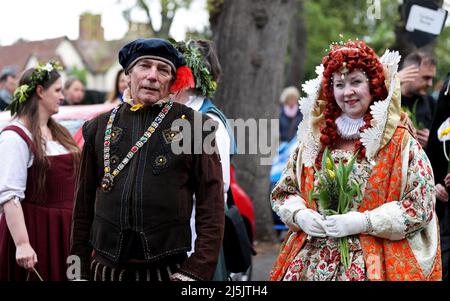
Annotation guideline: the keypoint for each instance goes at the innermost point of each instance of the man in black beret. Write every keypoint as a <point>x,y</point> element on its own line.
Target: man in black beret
<point>135,196</point>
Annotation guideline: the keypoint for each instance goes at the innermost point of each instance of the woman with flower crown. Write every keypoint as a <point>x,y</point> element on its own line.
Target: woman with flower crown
<point>353,109</point>
<point>37,179</point>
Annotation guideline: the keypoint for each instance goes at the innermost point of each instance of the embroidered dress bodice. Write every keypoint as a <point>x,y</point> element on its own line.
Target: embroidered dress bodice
<point>16,161</point>
<point>320,257</point>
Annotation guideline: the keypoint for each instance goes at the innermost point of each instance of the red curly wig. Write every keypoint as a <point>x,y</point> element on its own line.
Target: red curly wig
<point>357,55</point>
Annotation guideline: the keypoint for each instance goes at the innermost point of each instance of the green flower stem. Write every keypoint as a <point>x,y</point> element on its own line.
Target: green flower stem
<point>343,248</point>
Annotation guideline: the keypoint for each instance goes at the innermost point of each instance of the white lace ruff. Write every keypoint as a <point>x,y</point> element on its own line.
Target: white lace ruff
<point>348,128</point>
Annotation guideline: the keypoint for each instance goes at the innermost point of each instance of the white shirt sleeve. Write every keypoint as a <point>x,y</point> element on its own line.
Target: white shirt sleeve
<point>223,143</point>
<point>16,158</point>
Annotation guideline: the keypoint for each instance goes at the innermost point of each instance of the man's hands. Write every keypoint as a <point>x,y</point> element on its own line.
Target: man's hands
<point>441,193</point>
<point>447,180</point>
<point>408,74</point>
<point>422,136</point>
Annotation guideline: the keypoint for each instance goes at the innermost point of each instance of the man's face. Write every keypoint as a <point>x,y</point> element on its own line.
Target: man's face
<point>10,84</point>
<point>150,81</point>
<point>423,81</point>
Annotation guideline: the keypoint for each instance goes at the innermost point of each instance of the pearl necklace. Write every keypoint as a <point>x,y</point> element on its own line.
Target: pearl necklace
<point>348,128</point>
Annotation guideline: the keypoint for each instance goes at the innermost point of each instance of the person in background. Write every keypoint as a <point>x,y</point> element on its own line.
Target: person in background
<point>416,77</point>
<point>437,91</point>
<point>37,181</point>
<point>7,86</point>
<point>290,115</point>
<point>73,91</point>
<point>435,152</point>
<point>135,195</point>
<point>115,97</point>
<point>208,71</point>
<point>352,110</point>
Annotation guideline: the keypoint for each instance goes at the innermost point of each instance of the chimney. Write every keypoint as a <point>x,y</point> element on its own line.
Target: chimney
<point>91,28</point>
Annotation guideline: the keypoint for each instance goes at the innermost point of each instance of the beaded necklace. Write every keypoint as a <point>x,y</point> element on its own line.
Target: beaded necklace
<point>108,178</point>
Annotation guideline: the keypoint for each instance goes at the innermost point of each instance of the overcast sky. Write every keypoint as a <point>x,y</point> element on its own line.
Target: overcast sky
<point>44,19</point>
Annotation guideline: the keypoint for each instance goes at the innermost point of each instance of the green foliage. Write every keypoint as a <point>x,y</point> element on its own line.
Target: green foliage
<point>213,6</point>
<point>339,20</point>
<point>441,53</point>
<point>194,59</point>
<point>78,73</point>
<point>204,34</point>
<point>412,115</point>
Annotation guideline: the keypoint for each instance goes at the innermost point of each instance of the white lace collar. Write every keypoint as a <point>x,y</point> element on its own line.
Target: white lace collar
<point>348,128</point>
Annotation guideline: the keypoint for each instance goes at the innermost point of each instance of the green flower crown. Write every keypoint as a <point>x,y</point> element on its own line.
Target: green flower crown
<point>194,59</point>
<point>39,75</point>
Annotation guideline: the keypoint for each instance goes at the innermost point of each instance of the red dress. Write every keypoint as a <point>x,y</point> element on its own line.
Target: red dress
<point>48,220</point>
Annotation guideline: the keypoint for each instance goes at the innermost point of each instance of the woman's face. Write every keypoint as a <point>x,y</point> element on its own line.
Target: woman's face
<point>352,93</point>
<point>75,93</point>
<point>52,98</point>
<point>123,83</point>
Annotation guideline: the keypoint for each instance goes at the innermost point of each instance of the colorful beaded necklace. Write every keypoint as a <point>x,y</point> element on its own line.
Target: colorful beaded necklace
<point>108,178</point>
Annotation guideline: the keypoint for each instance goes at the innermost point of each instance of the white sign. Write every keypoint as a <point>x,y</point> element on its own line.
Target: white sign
<point>426,20</point>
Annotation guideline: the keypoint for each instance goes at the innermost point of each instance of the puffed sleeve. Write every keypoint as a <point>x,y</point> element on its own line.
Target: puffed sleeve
<point>285,198</point>
<point>16,157</point>
<point>414,210</point>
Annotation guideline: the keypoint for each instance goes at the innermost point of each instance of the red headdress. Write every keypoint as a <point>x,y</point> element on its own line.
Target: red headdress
<point>184,79</point>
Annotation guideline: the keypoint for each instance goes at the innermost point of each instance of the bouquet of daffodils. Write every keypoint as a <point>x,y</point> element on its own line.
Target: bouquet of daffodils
<point>335,192</point>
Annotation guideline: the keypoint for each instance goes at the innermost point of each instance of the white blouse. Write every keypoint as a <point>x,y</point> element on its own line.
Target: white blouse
<point>16,158</point>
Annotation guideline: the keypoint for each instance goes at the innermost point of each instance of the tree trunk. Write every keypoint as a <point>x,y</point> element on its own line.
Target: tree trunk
<point>297,48</point>
<point>251,38</point>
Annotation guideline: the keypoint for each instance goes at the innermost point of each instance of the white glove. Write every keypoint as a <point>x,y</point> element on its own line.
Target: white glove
<point>341,225</point>
<point>311,222</point>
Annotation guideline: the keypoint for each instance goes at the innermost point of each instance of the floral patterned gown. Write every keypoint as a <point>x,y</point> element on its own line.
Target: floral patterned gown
<point>319,258</point>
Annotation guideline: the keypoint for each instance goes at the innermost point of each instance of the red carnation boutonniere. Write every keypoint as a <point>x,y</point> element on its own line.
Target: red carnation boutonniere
<point>184,79</point>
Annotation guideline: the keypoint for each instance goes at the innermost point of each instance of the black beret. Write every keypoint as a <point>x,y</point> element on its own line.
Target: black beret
<point>157,49</point>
